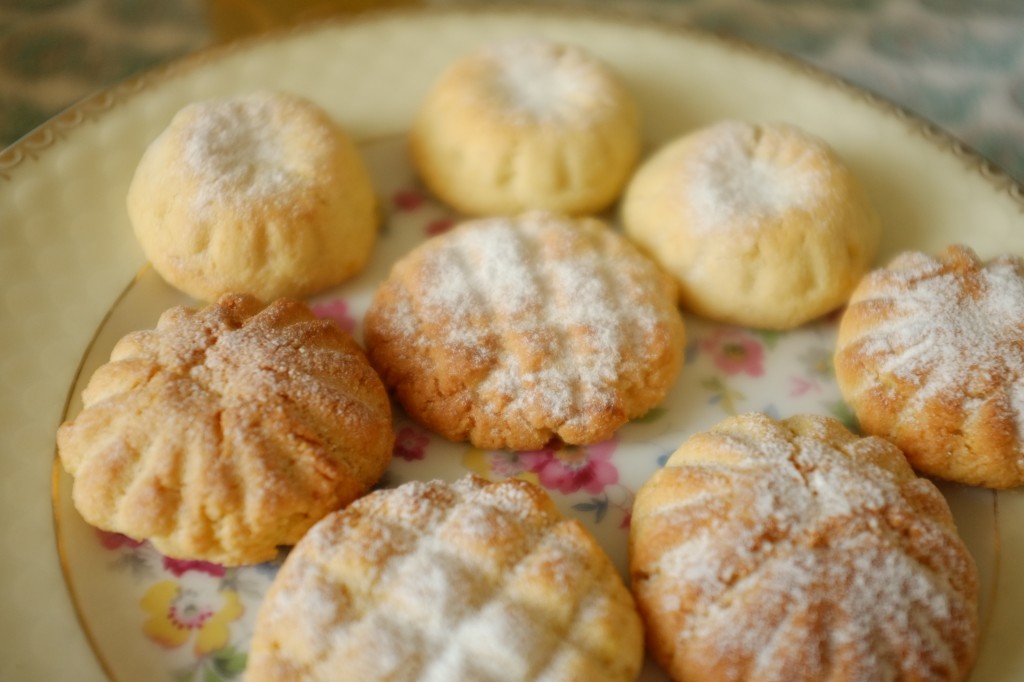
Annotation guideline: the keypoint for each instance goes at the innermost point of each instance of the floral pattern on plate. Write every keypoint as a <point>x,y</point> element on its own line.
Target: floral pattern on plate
<point>188,608</point>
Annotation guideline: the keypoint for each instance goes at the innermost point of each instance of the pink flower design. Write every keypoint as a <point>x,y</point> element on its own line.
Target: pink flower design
<point>569,468</point>
<point>436,227</point>
<point>407,199</point>
<point>180,567</point>
<point>802,386</point>
<point>411,444</point>
<point>734,350</point>
<point>338,311</point>
<point>508,464</point>
<point>116,540</point>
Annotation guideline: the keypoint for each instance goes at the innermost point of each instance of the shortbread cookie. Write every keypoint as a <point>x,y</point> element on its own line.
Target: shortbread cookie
<point>930,355</point>
<point>792,551</point>
<point>508,332</point>
<point>527,124</point>
<point>435,582</point>
<point>227,431</point>
<point>761,225</point>
<point>261,194</point>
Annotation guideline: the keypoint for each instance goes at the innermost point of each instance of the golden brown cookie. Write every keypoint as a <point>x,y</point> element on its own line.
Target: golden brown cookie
<point>793,550</point>
<point>227,431</point>
<point>261,194</point>
<point>434,582</point>
<point>526,124</point>
<point>509,331</point>
<point>930,355</point>
<point>761,225</point>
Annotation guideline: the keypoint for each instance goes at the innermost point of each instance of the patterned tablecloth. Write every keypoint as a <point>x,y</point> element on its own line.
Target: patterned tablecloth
<point>958,63</point>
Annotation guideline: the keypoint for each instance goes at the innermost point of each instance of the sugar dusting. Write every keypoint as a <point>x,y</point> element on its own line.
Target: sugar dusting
<point>236,425</point>
<point>737,182</point>
<point>567,324</point>
<point>954,334</point>
<point>246,354</point>
<point>434,596</point>
<point>808,541</point>
<point>547,82</point>
<point>235,146</point>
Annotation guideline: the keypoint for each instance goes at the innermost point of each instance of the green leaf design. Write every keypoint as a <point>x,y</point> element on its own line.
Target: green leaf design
<point>841,411</point>
<point>768,337</point>
<point>597,505</point>
<point>229,662</point>
<point>651,415</point>
<point>723,394</point>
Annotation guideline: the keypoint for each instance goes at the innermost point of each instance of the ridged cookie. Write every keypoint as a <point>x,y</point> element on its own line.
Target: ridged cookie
<point>435,582</point>
<point>795,551</point>
<point>510,331</point>
<point>227,431</point>
<point>930,355</point>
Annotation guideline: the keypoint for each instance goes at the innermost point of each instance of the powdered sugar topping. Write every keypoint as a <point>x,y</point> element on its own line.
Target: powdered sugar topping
<point>535,301</point>
<point>236,147</point>
<point>740,177</point>
<point>809,536</point>
<point>450,600</point>
<point>548,82</point>
<point>953,331</point>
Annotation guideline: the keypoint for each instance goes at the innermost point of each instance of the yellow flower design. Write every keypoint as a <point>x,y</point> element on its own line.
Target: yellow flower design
<point>497,464</point>
<point>176,614</point>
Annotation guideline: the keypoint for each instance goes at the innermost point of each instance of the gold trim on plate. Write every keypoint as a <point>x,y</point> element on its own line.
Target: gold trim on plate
<point>58,469</point>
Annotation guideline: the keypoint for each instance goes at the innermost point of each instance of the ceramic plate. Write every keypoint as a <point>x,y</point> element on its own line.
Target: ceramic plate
<point>80,604</point>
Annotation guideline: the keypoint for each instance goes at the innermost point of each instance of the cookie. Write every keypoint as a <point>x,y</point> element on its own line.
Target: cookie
<point>793,550</point>
<point>262,194</point>
<point>930,355</point>
<point>511,331</point>
<point>761,225</point>
<point>432,581</point>
<point>227,431</point>
<point>526,124</point>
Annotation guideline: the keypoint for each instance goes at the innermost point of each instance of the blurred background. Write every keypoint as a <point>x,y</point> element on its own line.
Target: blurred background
<point>958,63</point>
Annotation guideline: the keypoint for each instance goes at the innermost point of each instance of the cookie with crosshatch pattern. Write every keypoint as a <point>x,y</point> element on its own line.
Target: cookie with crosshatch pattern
<point>436,581</point>
<point>511,331</point>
